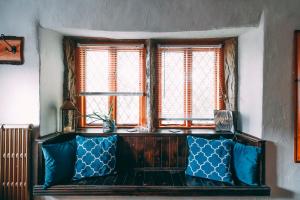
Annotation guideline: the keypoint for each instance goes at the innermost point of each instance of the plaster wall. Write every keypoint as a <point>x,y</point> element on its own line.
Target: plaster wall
<point>278,100</point>
<point>150,16</point>
<point>19,85</point>
<point>51,80</point>
<point>250,70</point>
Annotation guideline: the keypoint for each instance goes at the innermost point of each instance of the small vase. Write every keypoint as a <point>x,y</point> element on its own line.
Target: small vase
<point>108,126</point>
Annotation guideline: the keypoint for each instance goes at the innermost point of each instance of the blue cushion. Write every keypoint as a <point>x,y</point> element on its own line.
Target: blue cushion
<point>59,162</point>
<point>210,159</point>
<point>96,156</point>
<point>246,163</point>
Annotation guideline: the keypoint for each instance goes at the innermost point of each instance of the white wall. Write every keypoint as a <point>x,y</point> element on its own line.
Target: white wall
<point>250,62</point>
<point>19,85</point>
<point>51,80</point>
<point>278,103</point>
<point>144,15</point>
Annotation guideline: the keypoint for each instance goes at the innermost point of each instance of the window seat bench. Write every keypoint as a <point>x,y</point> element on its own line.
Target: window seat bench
<point>152,164</point>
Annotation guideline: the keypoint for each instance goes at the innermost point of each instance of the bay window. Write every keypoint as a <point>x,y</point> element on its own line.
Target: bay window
<point>189,83</point>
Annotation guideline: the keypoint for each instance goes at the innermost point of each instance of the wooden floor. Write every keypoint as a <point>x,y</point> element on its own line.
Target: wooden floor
<point>144,182</point>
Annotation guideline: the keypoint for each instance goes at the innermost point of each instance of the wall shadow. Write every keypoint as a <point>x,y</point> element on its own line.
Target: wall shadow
<point>34,158</point>
<point>271,173</point>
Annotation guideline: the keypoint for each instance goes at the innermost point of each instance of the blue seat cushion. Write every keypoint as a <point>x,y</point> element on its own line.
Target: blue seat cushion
<point>59,162</point>
<point>246,163</point>
<point>210,159</point>
<point>95,156</point>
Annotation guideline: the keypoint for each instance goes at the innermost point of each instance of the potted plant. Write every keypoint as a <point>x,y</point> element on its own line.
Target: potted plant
<point>108,122</point>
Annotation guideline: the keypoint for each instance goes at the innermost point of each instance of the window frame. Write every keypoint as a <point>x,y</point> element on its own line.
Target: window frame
<point>112,100</point>
<point>297,96</point>
<point>219,80</point>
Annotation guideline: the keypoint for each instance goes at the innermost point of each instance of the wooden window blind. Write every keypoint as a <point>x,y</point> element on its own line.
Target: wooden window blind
<point>111,74</point>
<point>190,85</point>
<point>297,98</point>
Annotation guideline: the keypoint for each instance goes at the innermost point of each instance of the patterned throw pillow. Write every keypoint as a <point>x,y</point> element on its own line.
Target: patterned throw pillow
<point>96,156</point>
<point>209,159</point>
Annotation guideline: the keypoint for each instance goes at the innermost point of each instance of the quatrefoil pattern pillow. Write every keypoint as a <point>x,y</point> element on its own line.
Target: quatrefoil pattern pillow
<point>95,156</point>
<point>209,158</point>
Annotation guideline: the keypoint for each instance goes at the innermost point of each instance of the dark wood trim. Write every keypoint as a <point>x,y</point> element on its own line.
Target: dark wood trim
<point>209,41</point>
<point>262,173</point>
<point>296,96</point>
<point>97,40</point>
<point>252,140</point>
<point>103,190</point>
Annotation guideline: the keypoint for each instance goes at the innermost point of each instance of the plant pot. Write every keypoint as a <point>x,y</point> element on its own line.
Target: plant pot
<point>108,126</point>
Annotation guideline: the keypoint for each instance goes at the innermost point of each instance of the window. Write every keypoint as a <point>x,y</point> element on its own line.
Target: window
<point>189,85</point>
<point>111,74</point>
<point>189,82</point>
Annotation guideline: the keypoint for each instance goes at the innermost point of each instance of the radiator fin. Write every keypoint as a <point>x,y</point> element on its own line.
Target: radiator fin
<point>14,163</point>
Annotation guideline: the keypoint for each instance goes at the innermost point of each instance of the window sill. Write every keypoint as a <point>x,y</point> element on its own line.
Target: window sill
<point>157,131</point>
<point>125,131</point>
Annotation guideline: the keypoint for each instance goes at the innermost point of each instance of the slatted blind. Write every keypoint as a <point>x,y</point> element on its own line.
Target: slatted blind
<point>297,98</point>
<point>190,84</point>
<point>112,74</point>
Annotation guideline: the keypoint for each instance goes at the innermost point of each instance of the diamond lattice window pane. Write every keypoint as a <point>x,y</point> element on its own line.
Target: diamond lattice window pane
<point>203,84</point>
<point>128,110</point>
<point>97,104</point>
<point>128,71</point>
<point>172,86</point>
<point>113,69</point>
<point>97,63</point>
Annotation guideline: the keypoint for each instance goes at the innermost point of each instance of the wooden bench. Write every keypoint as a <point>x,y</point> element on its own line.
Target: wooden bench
<point>152,164</point>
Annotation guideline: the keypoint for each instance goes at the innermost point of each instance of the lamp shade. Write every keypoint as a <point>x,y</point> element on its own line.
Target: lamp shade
<point>68,105</point>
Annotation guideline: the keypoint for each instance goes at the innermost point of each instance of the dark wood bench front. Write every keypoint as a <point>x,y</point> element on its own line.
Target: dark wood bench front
<point>152,164</point>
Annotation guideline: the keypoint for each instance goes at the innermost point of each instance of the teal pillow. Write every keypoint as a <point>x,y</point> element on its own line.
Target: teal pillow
<point>210,159</point>
<point>246,163</point>
<point>95,156</point>
<point>59,162</point>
